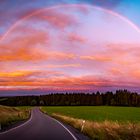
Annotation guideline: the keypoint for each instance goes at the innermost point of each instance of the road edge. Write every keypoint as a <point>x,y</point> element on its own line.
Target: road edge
<point>18,126</point>
<point>73,136</point>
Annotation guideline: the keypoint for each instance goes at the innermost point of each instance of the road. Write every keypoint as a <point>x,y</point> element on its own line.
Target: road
<point>39,127</point>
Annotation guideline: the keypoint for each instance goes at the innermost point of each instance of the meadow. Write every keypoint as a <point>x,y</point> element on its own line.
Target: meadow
<point>98,113</point>
<point>11,115</point>
<point>101,122</point>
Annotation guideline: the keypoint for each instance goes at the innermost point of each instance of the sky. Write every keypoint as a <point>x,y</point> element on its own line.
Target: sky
<point>70,45</point>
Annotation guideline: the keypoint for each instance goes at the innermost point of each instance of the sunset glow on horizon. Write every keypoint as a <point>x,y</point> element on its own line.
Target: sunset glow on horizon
<point>71,47</point>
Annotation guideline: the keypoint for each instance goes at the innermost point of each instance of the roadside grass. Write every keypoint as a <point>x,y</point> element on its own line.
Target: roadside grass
<point>106,130</point>
<point>11,115</point>
<point>101,122</point>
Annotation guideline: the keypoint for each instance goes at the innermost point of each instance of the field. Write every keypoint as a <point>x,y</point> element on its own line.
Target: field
<point>101,122</point>
<point>98,113</point>
<point>10,115</point>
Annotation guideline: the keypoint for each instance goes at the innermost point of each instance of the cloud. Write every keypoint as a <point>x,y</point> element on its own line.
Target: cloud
<point>55,81</point>
<point>60,80</point>
<point>64,66</point>
<point>18,75</point>
<point>53,78</point>
<point>21,44</point>
<point>56,18</point>
<point>125,54</point>
<point>30,45</point>
<point>73,37</point>
<point>116,71</point>
<point>24,77</point>
<point>22,54</point>
<point>135,74</point>
<point>96,58</point>
<point>31,55</point>
<point>15,74</point>
<point>61,55</point>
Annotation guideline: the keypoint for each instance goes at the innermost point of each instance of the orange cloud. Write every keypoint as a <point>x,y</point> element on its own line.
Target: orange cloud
<point>66,82</point>
<point>18,76</point>
<point>123,49</point>
<point>22,54</point>
<point>15,74</point>
<point>96,58</point>
<point>63,66</point>
<point>135,73</point>
<point>25,49</point>
<point>60,55</point>
<point>115,71</point>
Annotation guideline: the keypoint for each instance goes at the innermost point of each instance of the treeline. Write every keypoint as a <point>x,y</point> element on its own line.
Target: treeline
<point>119,98</point>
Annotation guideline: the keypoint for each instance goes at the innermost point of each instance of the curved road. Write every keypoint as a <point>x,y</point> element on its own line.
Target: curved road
<point>38,127</point>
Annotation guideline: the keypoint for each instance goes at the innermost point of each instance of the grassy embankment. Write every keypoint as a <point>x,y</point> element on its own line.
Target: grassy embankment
<point>101,122</point>
<point>11,115</point>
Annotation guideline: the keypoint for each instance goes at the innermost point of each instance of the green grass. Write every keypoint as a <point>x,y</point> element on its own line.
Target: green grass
<point>98,113</point>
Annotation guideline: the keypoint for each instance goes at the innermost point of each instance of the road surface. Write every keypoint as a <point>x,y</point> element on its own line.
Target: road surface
<point>39,127</point>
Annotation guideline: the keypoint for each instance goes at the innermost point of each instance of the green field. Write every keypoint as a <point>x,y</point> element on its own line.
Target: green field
<point>98,113</point>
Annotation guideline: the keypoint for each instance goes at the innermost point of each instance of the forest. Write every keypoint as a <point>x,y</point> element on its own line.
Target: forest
<point>119,98</point>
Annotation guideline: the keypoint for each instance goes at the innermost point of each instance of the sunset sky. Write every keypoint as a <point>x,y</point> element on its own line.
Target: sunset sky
<point>70,44</point>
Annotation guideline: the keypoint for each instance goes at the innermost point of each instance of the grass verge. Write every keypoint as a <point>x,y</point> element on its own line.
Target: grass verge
<point>11,115</point>
<point>106,130</point>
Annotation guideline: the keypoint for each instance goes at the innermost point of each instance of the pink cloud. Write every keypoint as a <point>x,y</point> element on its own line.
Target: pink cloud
<point>97,58</point>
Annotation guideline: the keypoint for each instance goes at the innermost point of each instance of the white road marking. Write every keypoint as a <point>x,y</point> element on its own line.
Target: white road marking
<point>65,128</point>
<point>61,125</point>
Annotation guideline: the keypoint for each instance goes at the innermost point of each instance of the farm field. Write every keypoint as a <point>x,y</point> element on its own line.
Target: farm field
<point>100,122</point>
<point>97,113</point>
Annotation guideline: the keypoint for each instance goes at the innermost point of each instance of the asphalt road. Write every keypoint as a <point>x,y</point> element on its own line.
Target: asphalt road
<point>40,127</point>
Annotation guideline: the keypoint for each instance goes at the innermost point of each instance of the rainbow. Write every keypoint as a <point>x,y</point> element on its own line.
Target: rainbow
<point>136,28</point>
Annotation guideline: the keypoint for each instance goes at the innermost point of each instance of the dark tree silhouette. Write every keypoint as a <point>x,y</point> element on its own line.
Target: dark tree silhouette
<point>119,98</point>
